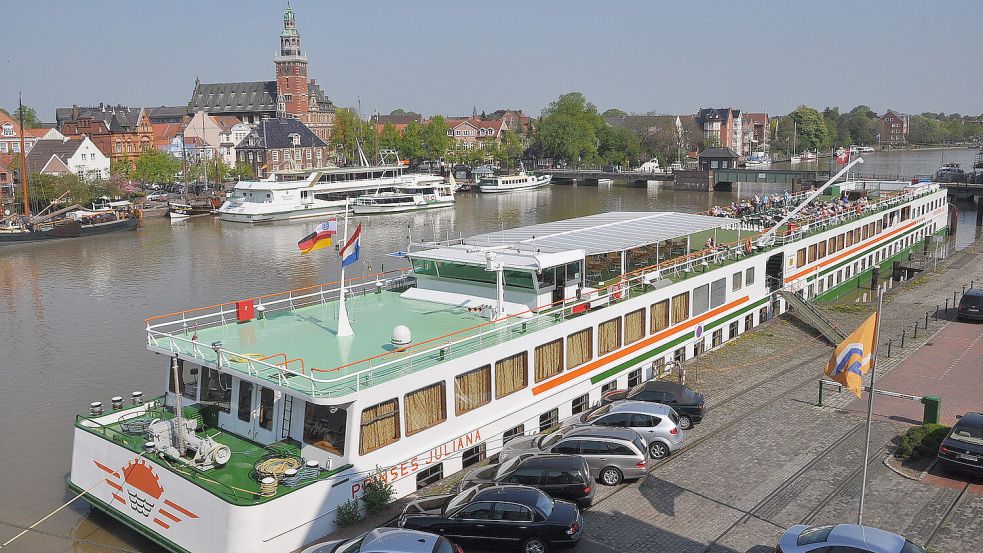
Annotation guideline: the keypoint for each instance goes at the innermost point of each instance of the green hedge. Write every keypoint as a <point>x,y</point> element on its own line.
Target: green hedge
<point>921,441</point>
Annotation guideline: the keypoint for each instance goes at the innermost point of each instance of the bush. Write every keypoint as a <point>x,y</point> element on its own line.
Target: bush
<point>348,513</point>
<point>921,441</point>
<point>378,493</point>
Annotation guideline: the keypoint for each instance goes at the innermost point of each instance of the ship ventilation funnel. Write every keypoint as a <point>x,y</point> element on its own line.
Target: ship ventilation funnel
<point>401,335</point>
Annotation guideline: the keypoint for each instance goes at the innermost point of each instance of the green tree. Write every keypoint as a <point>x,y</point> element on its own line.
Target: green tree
<point>411,142</point>
<point>243,171</point>
<point>122,168</point>
<point>924,130</point>
<point>389,138</point>
<point>712,141</point>
<point>43,189</point>
<point>345,135</point>
<point>803,129</point>
<point>861,124</point>
<point>434,137</point>
<point>156,166</point>
<point>31,120</point>
<point>618,146</point>
<point>613,112</point>
<point>568,129</point>
<point>510,148</point>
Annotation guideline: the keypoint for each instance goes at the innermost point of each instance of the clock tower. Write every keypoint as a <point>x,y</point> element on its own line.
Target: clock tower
<point>291,71</point>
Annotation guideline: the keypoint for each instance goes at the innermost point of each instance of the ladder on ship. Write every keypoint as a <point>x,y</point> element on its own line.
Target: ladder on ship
<point>288,410</point>
<point>809,314</point>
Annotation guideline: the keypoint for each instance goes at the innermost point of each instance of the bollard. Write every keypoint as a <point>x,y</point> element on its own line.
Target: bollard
<point>926,319</point>
<point>903,332</point>
<point>821,388</point>
<point>915,334</point>
<point>947,306</point>
<point>937,307</point>
<point>954,294</point>
<point>889,342</point>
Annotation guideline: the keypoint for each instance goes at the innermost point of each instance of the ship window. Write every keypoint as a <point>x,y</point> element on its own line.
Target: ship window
<point>187,379</point>
<point>549,419</point>
<point>701,299</point>
<point>473,455</point>
<point>511,374</point>
<point>216,389</point>
<point>580,404</point>
<point>266,408</point>
<point>424,267</point>
<point>856,235</point>
<point>812,253</point>
<point>380,426</point>
<point>635,376</point>
<point>718,292</point>
<point>548,359</point>
<point>513,432</point>
<point>425,408</point>
<point>428,476</point>
<point>680,307</point>
<point>609,336</point>
<point>737,281</point>
<point>660,316</point>
<point>831,245</point>
<point>244,407</point>
<point>472,389</point>
<point>580,347</point>
<point>800,257</point>
<point>840,244</point>
<point>324,427</point>
<point>634,326</point>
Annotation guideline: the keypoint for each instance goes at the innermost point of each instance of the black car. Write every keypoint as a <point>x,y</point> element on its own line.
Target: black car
<point>498,514</point>
<point>962,449</point>
<point>688,404</point>
<point>971,306</point>
<point>561,476</point>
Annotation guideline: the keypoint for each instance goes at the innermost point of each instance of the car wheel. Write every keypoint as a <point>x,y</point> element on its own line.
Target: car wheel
<point>685,422</point>
<point>535,545</point>
<point>658,450</point>
<point>611,476</point>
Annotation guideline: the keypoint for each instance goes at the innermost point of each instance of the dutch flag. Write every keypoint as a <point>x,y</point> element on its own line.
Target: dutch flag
<point>350,252</point>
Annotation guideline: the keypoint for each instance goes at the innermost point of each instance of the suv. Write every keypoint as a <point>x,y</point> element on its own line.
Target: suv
<point>561,476</point>
<point>971,306</point>
<point>654,421</point>
<point>962,449</point>
<point>688,404</point>
<point>612,454</point>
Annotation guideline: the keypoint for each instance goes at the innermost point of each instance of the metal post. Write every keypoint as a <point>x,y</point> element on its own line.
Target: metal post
<point>926,319</point>
<point>947,306</point>
<point>903,332</point>
<point>889,342</point>
<point>915,335</point>
<point>870,406</point>
<point>821,388</point>
<point>954,299</point>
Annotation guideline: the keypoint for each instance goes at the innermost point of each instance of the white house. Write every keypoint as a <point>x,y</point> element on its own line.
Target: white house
<point>78,156</point>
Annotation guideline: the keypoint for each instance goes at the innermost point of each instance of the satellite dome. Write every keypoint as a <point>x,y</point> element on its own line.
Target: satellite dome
<point>401,335</point>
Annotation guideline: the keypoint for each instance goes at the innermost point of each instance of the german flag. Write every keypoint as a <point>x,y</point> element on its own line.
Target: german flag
<point>322,237</point>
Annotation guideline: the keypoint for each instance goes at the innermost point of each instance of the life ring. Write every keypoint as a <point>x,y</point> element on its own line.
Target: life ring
<point>748,246</point>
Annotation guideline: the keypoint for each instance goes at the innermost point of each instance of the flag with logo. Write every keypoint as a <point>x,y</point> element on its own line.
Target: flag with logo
<point>322,237</point>
<point>843,156</point>
<point>350,251</point>
<point>851,359</point>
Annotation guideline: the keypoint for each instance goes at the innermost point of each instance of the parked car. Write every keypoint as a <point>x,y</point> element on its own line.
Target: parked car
<point>612,454</point>
<point>561,476</point>
<point>157,197</point>
<point>848,538</point>
<point>389,540</point>
<point>971,306</point>
<point>962,449</point>
<point>657,423</point>
<point>688,404</point>
<point>501,514</point>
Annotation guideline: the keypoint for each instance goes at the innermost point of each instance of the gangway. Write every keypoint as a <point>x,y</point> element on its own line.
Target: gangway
<point>810,315</point>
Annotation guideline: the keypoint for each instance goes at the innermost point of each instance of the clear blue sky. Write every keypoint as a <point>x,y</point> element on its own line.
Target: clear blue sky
<point>445,57</point>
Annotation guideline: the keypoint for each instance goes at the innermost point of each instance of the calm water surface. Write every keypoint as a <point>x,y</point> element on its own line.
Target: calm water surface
<point>71,316</point>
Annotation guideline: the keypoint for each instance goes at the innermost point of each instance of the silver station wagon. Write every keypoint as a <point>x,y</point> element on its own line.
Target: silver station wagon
<point>613,454</point>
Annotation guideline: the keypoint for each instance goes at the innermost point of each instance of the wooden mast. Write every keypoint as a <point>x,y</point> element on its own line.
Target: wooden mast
<point>23,158</point>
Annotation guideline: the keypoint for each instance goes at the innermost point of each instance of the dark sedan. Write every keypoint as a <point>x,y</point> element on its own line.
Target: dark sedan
<point>504,515</point>
<point>971,306</point>
<point>962,449</point>
<point>688,404</point>
<point>561,476</point>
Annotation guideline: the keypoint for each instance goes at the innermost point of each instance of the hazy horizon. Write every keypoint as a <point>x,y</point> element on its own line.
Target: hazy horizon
<point>447,58</point>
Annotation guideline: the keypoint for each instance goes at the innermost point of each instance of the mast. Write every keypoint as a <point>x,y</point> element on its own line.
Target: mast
<point>870,403</point>
<point>23,159</point>
<point>344,325</point>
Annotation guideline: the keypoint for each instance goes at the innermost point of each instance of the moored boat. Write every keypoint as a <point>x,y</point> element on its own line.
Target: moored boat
<point>405,198</point>
<point>478,340</point>
<point>511,183</point>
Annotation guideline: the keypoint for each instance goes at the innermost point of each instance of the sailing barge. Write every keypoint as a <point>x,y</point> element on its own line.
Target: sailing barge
<point>271,420</point>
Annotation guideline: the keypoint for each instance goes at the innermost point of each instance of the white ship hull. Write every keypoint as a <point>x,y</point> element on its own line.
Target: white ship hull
<point>532,183</point>
<point>377,209</point>
<point>233,215</point>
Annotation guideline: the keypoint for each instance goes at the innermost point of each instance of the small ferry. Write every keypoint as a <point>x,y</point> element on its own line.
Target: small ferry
<point>406,198</point>
<point>302,194</point>
<point>511,183</point>
<point>270,419</point>
<point>757,159</point>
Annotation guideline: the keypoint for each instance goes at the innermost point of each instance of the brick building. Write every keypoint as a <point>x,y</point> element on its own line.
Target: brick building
<point>281,144</point>
<point>722,127</point>
<point>892,129</point>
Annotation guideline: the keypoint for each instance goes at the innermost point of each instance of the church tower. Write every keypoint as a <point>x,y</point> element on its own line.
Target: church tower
<point>291,70</point>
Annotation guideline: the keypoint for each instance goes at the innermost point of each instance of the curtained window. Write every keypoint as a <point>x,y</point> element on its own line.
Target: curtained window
<point>580,347</point>
<point>812,253</point>
<point>831,245</point>
<point>472,389</point>
<point>680,307</point>
<point>800,258</point>
<point>822,249</point>
<point>634,326</point>
<point>380,426</point>
<point>511,374</point>
<point>660,316</point>
<point>425,408</point>
<point>549,360</point>
<point>609,336</point>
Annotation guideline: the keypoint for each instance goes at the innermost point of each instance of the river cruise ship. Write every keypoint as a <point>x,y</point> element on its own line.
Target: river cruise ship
<point>271,420</point>
<point>416,197</point>
<point>511,183</point>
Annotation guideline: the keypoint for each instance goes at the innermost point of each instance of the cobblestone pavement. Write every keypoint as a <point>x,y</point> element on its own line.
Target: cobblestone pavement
<point>767,457</point>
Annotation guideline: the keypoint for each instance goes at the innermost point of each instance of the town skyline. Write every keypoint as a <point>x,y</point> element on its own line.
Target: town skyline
<point>432,79</point>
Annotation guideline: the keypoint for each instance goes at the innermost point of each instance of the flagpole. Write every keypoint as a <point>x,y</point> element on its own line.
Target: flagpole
<point>344,326</point>
<point>870,403</point>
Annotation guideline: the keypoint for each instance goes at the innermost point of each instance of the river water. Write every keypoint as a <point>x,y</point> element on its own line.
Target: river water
<point>71,315</point>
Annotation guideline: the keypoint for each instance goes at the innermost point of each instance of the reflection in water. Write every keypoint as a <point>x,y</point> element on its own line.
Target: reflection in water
<point>71,314</point>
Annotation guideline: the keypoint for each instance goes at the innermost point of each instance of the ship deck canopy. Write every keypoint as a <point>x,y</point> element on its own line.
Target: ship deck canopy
<point>603,233</point>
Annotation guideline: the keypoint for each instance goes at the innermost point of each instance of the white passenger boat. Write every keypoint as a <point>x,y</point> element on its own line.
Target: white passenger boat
<point>406,198</point>
<point>271,420</point>
<point>302,194</point>
<point>510,183</point>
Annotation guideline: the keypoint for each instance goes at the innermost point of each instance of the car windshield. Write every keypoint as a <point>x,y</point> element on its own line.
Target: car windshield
<point>443,546</point>
<point>544,503</point>
<point>673,416</point>
<point>599,412</point>
<point>639,443</point>
<point>965,432</point>
<point>548,440</point>
<point>688,394</point>
<point>507,467</point>
<point>912,548</point>
<point>459,500</point>
<point>810,536</point>
<point>350,546</point>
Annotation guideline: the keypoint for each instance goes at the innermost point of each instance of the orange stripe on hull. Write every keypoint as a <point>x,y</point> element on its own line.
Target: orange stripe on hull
<point>162,523</point>
<point>114,484</point>
<point>179,508</point>
<point>120,499</point>
<point>570,375</point>
<point>105,468</point>
<point>847,253</point>
<point>168,515</point>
